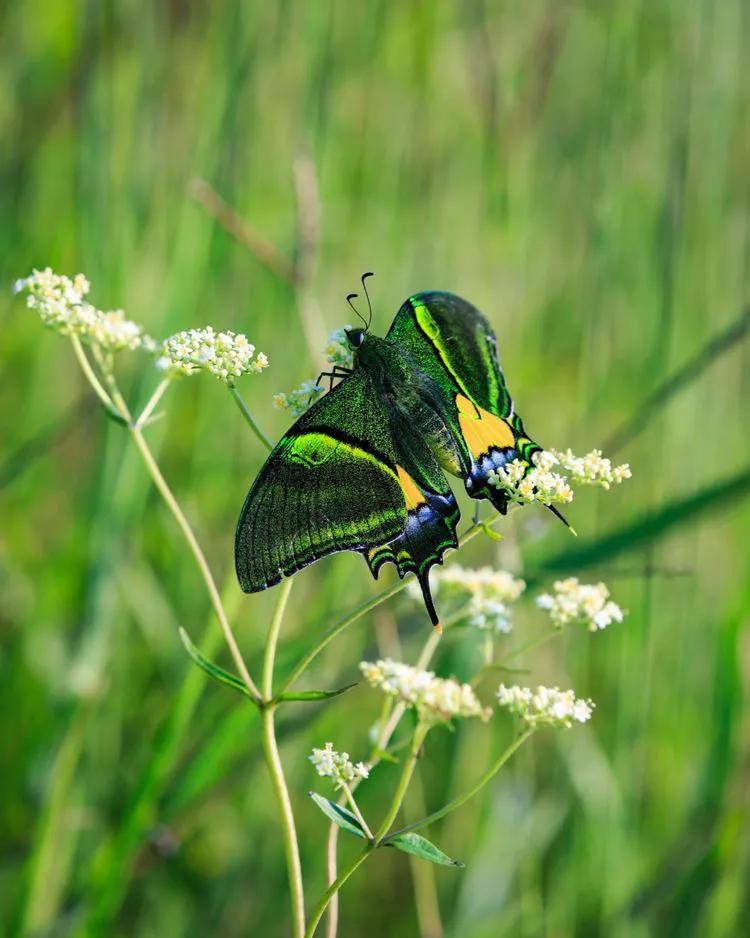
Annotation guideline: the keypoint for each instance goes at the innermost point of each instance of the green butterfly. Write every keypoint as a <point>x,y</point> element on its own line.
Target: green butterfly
<point>363,468</point>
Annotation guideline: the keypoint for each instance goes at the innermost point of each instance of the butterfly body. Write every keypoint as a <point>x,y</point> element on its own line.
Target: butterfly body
<point>364,468</point>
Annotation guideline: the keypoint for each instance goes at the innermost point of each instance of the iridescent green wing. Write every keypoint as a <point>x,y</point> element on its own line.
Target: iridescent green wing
<point>452,342</point>
<point>331,484</point>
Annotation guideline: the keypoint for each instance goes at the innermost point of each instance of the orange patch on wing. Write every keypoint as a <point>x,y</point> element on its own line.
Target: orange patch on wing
<point>412,494</point>
<point>482,430</point>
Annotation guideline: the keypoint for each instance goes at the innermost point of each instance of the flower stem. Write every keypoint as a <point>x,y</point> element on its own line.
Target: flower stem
<point>462,799</point>
<point>90,374</point>
<point>276,770</point>
<point>152,402</point>
<point>269,657</point>
<point>357,813</point>
<point>334,888</point>
<point>403,783</point>
<point>246,413</point>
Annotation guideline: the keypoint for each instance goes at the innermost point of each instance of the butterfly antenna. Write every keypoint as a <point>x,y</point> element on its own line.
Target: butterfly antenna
<point>557,514</point>
<point>424,582</point>
<point>353,296</point>
<point>369,304</point>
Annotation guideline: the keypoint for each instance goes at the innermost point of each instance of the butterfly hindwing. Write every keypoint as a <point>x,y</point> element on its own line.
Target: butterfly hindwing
<point>452,342</point>
<point>432,516</point>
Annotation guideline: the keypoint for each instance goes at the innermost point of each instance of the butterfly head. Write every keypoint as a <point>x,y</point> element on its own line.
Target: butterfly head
<point>355,337</point>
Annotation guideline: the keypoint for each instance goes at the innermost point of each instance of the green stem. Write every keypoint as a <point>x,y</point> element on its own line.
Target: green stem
<point>276,770</point>
<point>357,813</point>
<point>403,783</point>
<point>245,411</point>
<point>462,799</point>
<point>334,888</point>
<point>161,387</point>
<point>90,374</point>
<point>291,847</point>
<point>272,641</point>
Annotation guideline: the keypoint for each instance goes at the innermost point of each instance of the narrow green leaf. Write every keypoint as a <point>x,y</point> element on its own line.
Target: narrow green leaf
<point>421,847</point>
<point>211,669</point>
<point>114,414</point>
<point>492,535</point>
<point>338,814</point>
<point>315,694</point>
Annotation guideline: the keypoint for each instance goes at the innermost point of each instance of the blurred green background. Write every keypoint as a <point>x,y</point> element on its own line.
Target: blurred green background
<point>580,171</point>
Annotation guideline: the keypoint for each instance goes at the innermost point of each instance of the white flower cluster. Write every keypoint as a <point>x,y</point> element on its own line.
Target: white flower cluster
<point>337,765</point>
<point>62,305</point>
<point>227,355</point>
<point>485,595</point>
<point>581,603</point>
<point>542,482</point>
<point>434,698</point>
<point>545,706</point>
<point>300,399</point>
<point>537,483</point>
<point>337,352</point>
<point>592,469</point>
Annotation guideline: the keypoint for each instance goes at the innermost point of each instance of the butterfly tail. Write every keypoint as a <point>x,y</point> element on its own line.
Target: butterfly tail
<point>430,531</point>
<point>424,583</point>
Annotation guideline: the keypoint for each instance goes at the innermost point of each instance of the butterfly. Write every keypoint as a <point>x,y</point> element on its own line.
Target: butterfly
<point>364,468</point>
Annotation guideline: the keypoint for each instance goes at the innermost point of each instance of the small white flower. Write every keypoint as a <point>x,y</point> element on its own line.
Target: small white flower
<point>62,305</point>
<point>484,596</point>
<point>337,352</point>
<point>545,706</point>
<point>580,603</point>
<point>337,765</point>
<point>433,698</point>
<point>226,355</point>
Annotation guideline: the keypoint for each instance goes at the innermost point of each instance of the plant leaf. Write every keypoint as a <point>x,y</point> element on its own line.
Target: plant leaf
<point>492,535</point>
<point>339,815</point>
<point>421,847</point>
<point>315,694</point>
<point>211,669</point>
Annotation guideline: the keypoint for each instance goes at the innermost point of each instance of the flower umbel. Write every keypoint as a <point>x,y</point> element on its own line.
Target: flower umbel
<point>300,399</point>
<point>62,305</point>
<point>545,706</point>
<point>581,603</point>
<point>434,698</point>
<point>543,481</point>
<point>592,469</point>
<point>226,355</point>
<point>337,765</point>
<point>484,595</point>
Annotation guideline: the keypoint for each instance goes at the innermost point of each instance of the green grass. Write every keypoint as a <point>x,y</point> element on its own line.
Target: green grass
<point>579,171</point>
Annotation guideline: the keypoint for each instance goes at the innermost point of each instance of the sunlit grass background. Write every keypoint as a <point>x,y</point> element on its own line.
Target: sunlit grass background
<point>580,171</point>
